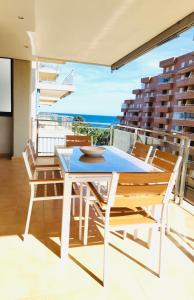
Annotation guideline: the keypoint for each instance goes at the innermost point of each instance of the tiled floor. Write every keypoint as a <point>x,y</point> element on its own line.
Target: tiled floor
<point>33,270</point>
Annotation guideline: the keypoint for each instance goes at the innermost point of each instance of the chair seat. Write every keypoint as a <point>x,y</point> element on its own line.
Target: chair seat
<point>122,216</point>
<point>52,189</point>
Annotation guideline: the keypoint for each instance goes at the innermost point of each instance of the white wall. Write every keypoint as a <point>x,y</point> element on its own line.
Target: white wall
<point>22,98</point>
<point>6,135</point>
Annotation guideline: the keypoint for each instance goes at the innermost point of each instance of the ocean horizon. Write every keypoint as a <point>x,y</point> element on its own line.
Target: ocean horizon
<point>89,118</point>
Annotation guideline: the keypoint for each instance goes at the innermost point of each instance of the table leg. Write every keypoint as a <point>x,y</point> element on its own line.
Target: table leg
<point>66,209</point>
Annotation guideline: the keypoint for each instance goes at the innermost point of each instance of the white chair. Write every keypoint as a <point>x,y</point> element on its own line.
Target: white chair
<point>41,161</point>
<point>128,196</point>
<point>46,183</point>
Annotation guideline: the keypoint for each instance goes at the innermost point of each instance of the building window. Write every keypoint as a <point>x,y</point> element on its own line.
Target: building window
<point>183,64</point>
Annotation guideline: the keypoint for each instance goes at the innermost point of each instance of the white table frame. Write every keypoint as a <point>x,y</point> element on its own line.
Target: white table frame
<point>69,178</point>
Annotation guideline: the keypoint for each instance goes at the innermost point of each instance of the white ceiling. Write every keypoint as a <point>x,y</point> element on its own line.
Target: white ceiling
<point>91,31</point>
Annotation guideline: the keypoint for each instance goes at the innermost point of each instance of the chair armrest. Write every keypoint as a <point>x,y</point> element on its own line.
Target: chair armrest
<point>47,168</point>
<point>46,181</point>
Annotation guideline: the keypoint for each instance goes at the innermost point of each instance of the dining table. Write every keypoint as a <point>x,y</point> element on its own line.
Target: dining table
<point>79,168</point>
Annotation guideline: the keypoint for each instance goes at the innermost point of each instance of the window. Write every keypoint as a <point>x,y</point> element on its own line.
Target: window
<point>5,87</point>
<point>183,64</point>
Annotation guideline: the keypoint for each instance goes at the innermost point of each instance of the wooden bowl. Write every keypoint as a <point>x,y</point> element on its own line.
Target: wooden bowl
<point>92,151</point>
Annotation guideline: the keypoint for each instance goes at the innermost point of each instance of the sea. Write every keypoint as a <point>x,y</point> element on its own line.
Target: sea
<point>87,118</point>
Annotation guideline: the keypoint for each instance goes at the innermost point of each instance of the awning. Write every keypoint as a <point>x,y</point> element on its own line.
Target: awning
<point>103,32</point>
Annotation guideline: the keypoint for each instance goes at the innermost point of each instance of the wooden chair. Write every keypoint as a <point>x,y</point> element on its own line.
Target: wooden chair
<point>46,183</point>
<point>78,140</point>
<point>128,196</point>
<point>166,162</point>
<point>141,151</point>
<point>73,141</point>
<point>41,161</point>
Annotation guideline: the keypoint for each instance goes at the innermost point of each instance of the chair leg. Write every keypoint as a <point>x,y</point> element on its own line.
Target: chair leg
<point>161,250</point>
<point>124,234</point>
<point>29,212</point>
<point>73,206</point>
<point>80,211</point>
<point>86,218</point>
<point>135,234</point>
<point>167,220</point>
<point>105,262</point>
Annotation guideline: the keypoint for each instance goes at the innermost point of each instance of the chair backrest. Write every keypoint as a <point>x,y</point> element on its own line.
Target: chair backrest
<point>141,151</point>
<point>164,160</point>
<point>142,189</point>
<point>78,140</point>
<point>28,160</point>
<point>32,149</point>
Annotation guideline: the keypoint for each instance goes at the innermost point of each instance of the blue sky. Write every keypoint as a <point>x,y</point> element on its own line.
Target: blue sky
<point>100,92</point>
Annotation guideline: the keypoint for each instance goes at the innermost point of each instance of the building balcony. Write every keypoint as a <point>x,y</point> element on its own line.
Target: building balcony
<point>137,91</point>
<point>184,95</point>
<point>167,62</point>
<point>183,122</point>
<point>185,82</point>
<point>165,86</point>
<point>133,109</point>
<point>161,108</point>
<point>148,109</point>
<point>187,68</point>
<point>167,75</point>
<point>165,97</point>
<point>184,108</point>
<point>161,120</point>
<point>148,99</point>
<point>145,80</point>
<point>133,118</point>
<point>147,119</point>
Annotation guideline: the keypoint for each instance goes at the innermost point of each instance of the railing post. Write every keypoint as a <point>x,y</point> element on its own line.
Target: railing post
<point>184,169</point>
<point>177,185</point>
<point>135,135</point>
<point>37,125</point>
<point>111,135</point>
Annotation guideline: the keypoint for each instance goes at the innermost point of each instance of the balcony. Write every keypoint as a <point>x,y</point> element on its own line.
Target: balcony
<point>161,120</point>
<point>48,72</point>
<point>148,109</point>
<point>137,91</point>
<point>33,270</point>
<point>187,68</point>
<point>133,109</point>
<point>185,82</point>
<point>161,108</point>
<point>183,122</point>
<point>167,75</point>
<point>145,80</point>
<point>165,86</point>
<point>163,97</point>
<point>184,95</point>
<point>133,118</point>
<point>167,62</point>
<point>147,119</point>
<point>148,99</point>
<point>184,108</point>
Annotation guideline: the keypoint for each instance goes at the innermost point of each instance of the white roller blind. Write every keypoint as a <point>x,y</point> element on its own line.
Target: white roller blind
<point>5,85</point>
